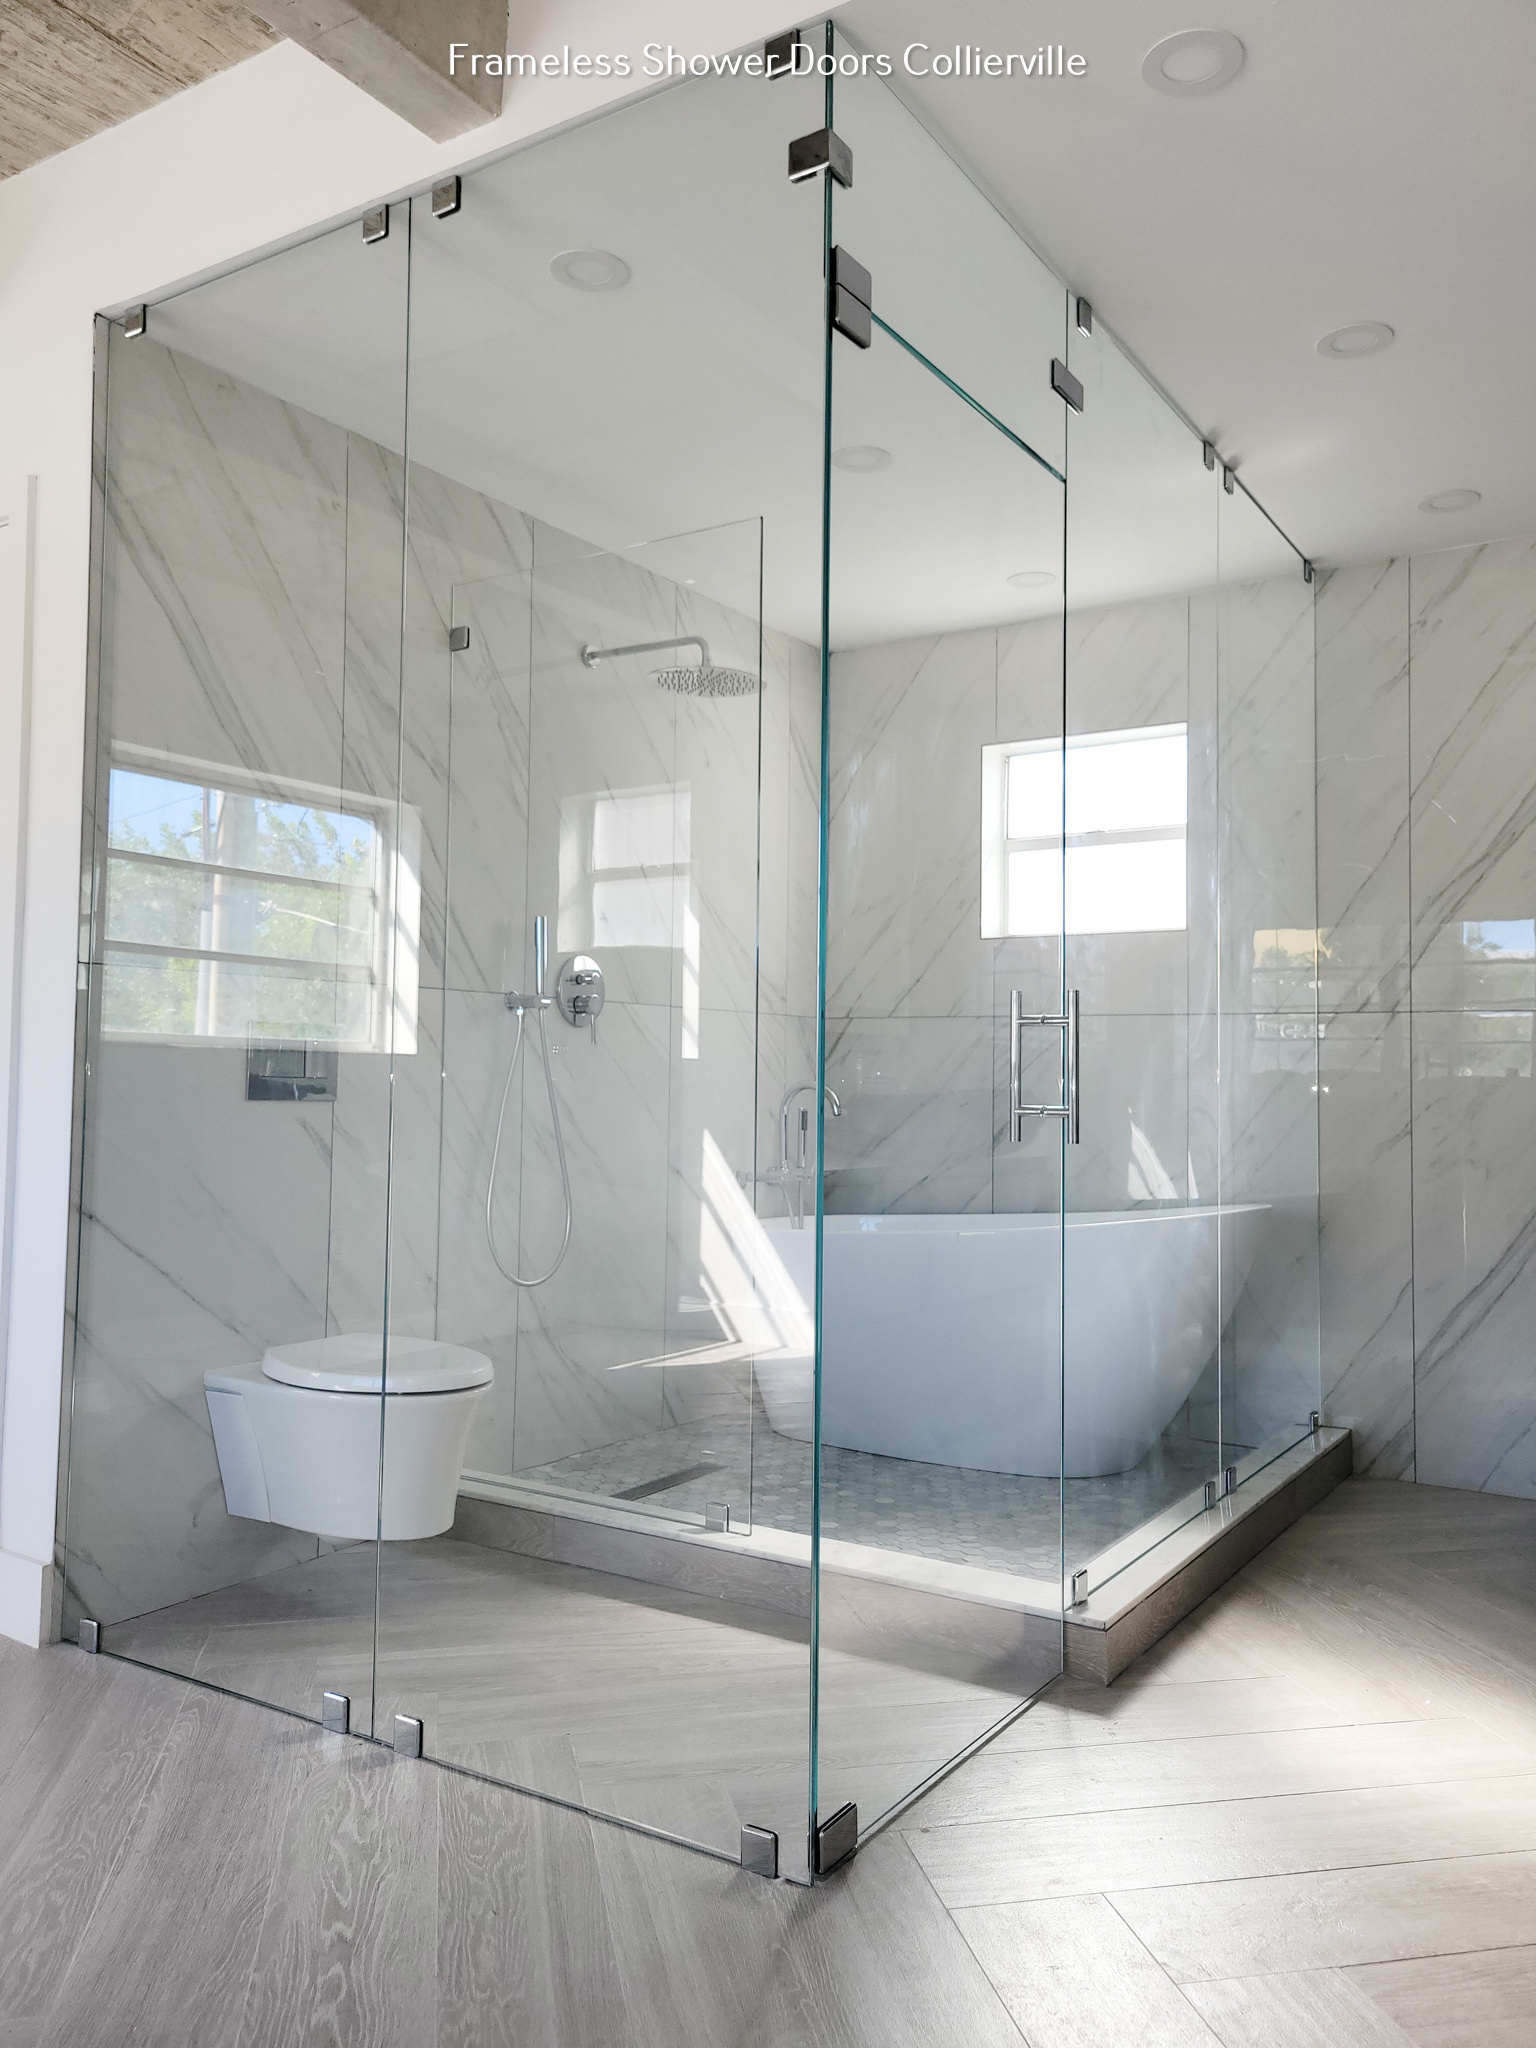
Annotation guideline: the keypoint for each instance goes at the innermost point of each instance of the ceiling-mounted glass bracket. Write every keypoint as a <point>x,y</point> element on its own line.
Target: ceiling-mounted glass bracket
<point>1228,479</point>
<point>780,58</point>
<point>1306,570</point>
<point>1065,385</point>
<point>447,197</point>
<point>1084,317</point>
<point>822,150</point>
<point>852,298</point>
<point>376,224</point>
<point>1208,454</point>
<point>135,322</point>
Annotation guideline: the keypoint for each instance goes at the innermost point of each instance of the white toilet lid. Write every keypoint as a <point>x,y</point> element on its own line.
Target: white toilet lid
<point>350,1365</point>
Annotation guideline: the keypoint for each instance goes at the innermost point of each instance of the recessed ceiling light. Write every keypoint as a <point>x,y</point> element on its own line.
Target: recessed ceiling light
<point>1032,579</point>
<point>1364,338</point>
<point>1195,60</point>
<point>861,459</point>
<point>1451,501</point>
<point>590,270</point>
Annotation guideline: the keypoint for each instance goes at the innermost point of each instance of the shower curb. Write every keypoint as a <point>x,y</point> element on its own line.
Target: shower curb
<point>1001,1631</point>
<point>1120,1620</point>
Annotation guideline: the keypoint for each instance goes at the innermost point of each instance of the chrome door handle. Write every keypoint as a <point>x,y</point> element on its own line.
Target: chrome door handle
<point>1067,1108</point>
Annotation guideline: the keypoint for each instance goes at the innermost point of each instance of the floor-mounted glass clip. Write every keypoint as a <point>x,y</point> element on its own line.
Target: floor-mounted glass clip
<point>759,1851</point>
<point>836,1838</point>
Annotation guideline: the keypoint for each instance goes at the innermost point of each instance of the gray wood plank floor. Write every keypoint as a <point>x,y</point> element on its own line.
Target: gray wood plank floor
<point>1307,1818</point>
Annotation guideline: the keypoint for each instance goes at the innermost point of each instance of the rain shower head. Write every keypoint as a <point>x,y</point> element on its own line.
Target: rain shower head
<point>704,681</point>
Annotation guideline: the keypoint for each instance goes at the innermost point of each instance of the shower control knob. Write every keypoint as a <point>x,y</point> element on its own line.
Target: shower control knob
<point>579,992</point>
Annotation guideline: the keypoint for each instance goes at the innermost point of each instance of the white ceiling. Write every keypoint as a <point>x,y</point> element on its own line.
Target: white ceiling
<point>689,403</point>
<point>1374,160</point>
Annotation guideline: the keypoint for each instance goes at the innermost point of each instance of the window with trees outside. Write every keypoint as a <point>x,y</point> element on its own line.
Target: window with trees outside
<point>242,907</point>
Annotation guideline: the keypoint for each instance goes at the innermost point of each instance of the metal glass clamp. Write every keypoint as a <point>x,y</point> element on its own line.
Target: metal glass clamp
<point>759,1850</point>
<point>833,1841</point>
<point>1067,1108</point>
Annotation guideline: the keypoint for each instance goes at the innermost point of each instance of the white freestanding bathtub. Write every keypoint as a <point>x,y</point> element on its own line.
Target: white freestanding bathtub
<point>942,1341</point>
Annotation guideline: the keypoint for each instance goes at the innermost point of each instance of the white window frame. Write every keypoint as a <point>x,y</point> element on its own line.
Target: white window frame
<point>393,969</point>
<point>996,846</point>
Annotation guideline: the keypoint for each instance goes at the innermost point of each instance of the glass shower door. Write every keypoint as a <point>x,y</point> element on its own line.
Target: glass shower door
<point>606,738</point>
<point>940,1242</point>
<point>1145,1227</point>
<point>939,1339</point>
<point>1191,1289</point>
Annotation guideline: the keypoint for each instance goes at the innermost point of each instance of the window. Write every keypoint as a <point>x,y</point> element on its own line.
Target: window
<point>242,907</point>
<point>626,879</point>
<point>1125,805</point>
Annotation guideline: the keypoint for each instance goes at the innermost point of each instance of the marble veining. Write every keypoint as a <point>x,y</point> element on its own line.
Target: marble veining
<point>255,612</point>
<point>1428,987</point>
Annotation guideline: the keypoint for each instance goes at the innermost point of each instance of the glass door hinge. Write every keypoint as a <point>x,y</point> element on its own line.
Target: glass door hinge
<point>822,150</point>
<point>1065,385</point>
<point>852,298</point>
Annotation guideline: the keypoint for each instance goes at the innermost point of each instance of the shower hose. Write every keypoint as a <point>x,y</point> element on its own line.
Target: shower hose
<point>520,1279</point>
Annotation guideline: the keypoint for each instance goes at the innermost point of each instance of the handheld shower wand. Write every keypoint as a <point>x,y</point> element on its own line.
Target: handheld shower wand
<point>538,1002</point>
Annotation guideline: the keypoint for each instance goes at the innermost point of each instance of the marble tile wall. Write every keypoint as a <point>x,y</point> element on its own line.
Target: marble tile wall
<point>224,638</point>
<point>254,616</point>
<point>1427,868</point>
<point>1366,1197</point>
<point>1198,1046</point>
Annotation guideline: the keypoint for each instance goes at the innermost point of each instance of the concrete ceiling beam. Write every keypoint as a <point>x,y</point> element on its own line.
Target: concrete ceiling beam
<point>397,51</point>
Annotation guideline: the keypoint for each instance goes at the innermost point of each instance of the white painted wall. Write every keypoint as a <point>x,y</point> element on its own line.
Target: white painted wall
<point>259,154</point>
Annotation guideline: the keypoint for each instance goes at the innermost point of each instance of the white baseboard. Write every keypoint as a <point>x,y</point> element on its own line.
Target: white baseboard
<point>26,1599</point>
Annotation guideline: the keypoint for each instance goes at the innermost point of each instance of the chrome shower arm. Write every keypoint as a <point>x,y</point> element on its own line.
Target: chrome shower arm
<point>591,656</point>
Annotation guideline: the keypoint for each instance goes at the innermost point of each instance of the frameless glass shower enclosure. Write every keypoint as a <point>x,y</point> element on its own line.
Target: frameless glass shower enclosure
<point>696,1107</point>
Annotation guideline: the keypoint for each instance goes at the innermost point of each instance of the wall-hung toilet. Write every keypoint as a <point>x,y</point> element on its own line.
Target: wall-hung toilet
<point>298,1435</point>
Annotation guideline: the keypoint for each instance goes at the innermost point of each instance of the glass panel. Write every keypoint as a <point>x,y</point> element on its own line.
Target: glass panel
<point>249,966</point>
<point>940,1252</point>
<point>950,272</point>
<point>1270,1372</point>
<point>625,747</point>
<point>1145,1224</point>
